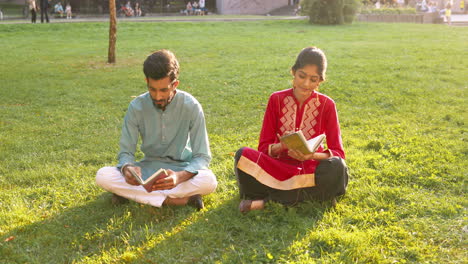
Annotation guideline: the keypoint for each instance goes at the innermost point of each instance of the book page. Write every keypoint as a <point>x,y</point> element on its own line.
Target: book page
<point>295,141</point>
<point>135,175</point>
<point>161,173</point>
<point>314,143</point>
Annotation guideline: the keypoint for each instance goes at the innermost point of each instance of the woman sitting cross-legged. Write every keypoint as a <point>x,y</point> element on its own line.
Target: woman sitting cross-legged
<point>287,176</point>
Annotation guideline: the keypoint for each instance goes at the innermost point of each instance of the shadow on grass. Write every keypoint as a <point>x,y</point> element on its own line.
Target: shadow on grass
<point>223,234</point>
<point>100,232</point>
<point>86,232</point>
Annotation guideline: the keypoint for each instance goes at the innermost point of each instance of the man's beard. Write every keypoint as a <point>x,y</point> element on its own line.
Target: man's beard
<point>161,104</point>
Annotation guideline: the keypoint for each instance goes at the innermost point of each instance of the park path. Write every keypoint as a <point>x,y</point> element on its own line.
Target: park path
<point>457,19</point>
<point>105,18</point>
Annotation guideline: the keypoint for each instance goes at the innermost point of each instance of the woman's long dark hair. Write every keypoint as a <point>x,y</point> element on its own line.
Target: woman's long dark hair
<point>311,56</point>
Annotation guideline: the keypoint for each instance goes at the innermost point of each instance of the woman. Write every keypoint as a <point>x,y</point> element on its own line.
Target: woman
<point>189,9</point>
<point>448,13</point>
<point>286,175</point>
<point>137,9</point>
<point>68,10</point>
<point>33,9</point>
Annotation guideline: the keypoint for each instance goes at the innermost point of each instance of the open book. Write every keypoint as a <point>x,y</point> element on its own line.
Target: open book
<point>148,183</point>
<point>297,141</point>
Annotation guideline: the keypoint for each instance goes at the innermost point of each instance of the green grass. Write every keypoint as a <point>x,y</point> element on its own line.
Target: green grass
<point>400,90</point>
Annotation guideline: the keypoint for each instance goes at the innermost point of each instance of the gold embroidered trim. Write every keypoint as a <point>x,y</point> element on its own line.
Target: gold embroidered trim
<point>298,181</point>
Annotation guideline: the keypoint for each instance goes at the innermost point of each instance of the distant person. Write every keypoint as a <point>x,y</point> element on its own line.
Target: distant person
<point>202,7</point>
<point>44,13</point>
<point>429,7</point>
<point>377,4</point>
<point>418,5</point>
<point>297,10</point>
<point>196,8</point>
<point>58,8</point>
<point>33,9</point>
<point>1,14</point>
<point>189,8</point>
<point>448,13</point>
<point>171,125</point>
<point>275,173</point>
<point>435,7</point>
<point>424,7</point>
<point>137,9</point>
<point>129,7</point>
<point>68,11</point>
<point>128,10</point>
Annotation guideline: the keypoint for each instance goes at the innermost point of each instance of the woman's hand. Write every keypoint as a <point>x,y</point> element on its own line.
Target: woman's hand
<point>277,148</point>
<point>295,154</point>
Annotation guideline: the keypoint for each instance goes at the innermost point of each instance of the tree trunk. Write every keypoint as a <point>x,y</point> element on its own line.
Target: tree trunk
<point>112,32</point>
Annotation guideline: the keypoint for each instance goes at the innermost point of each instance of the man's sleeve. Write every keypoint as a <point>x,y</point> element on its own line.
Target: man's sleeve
<point>201,154</point>
<point>129,138</point>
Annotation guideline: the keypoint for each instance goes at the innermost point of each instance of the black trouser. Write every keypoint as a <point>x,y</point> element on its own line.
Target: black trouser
<point>44,12</point>
<point>33,16</point>
<point>331,180</point>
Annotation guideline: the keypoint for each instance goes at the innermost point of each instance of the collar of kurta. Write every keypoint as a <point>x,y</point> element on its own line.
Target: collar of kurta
<point>313,95</point>
<point>168,104</point>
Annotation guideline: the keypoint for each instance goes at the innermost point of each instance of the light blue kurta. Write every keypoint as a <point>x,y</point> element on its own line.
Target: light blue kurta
<point>173,139</point>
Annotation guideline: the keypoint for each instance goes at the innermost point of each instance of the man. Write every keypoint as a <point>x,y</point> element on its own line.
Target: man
<point>202,7</point>
<point>172,127</point>
<point>58,8</point>
<point>44,6</point>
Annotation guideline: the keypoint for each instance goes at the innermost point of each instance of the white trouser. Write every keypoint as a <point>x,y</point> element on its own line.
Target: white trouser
<point>110,179</point>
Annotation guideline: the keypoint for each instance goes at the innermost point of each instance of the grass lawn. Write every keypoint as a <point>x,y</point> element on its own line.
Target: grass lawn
<point>401,93</point>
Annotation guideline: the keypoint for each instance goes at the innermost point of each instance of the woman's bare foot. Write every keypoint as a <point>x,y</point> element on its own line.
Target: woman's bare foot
<point>249,205</point>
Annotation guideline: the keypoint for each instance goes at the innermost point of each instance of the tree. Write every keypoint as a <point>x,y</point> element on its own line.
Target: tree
<point>112,32</point>
<point>330,12</point>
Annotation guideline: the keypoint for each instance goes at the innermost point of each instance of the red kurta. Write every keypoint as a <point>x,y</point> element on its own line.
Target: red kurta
<point>316,116</point>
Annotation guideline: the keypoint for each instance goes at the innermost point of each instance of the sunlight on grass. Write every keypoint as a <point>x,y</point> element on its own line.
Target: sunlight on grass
<point>145,239</point>
<point>400,91</point>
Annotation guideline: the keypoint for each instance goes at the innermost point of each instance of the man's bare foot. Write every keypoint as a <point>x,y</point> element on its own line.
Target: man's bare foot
<point>194,201</point>
<point>118,200</point>
<point>176,201</point>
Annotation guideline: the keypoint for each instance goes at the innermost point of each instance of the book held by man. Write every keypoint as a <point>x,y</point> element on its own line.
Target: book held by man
<point>297,141</point>
<point>148,183</point>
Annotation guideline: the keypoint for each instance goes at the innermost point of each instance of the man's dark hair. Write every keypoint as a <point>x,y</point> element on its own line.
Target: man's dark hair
<point>312,56</point>
<point>161,64</point>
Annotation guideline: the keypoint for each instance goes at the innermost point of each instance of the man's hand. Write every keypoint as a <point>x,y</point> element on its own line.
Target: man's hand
<point>172,180</point>
<point>128,175</point>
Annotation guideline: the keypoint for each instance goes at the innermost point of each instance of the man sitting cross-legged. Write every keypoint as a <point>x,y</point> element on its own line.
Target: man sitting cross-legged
<point>172,127</point>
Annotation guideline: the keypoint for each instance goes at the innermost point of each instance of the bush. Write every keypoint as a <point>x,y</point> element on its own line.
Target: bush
<point>388,10</point>
<point>330,12</point>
